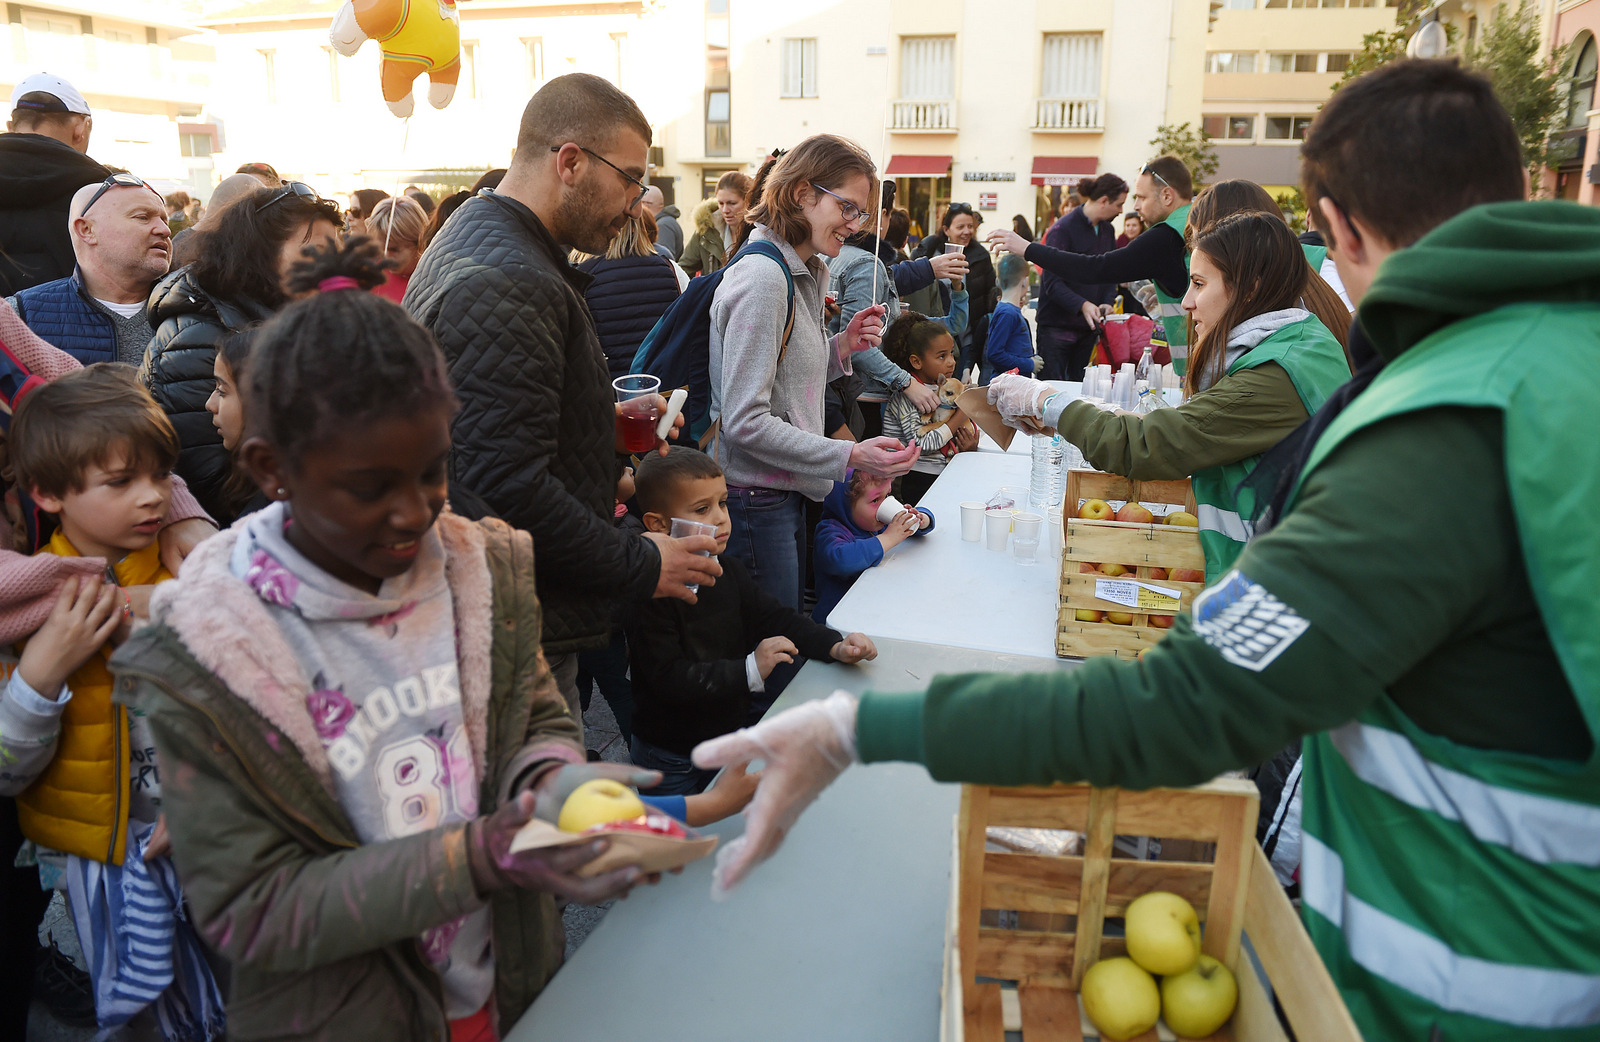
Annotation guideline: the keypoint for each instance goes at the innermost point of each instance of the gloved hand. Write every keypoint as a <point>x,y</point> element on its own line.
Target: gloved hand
<point>554,788</point>
<point>550,869</point>
<point>1017,398</point>
<point>804,749</point>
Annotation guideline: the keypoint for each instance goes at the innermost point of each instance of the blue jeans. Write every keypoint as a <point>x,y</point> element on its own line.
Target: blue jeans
<point>769,536</point>
<point>679,775</point>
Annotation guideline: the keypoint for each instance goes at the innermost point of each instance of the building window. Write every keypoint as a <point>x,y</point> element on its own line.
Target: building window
<point>1580,90</point>
<point>1287,128</point>
<point>1071,67</point>
<point>269,74</point>
<point>1336,61</point>
<point>798,75</point>
<point>1239,5</point>
<point>719,139</point>
<point>1292,62</point>
<point>469,68</point>
<point>535,51</point>
<point>333,73</point>
<point>1231,61</point>
<point>927,66</point>
<point>619,47</point>
<point>195,145</point>
<point>118,36</point>
<point>1230,128</point>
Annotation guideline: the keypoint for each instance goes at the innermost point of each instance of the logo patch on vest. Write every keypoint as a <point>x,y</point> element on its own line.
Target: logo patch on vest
<point>1248,625</point>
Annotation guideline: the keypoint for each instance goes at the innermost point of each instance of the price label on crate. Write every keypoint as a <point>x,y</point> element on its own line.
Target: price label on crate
<point>1140,595</point>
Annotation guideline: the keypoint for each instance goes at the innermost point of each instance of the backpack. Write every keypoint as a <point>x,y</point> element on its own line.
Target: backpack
<point>677,350</point>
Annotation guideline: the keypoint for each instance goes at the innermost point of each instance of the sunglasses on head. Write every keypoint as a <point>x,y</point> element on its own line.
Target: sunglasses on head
<point>116,181</point>
<point>299,188</point>
<point>965,208</point>
<point>1148,169</point>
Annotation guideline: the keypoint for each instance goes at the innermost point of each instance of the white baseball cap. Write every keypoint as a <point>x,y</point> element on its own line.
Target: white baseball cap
<point>65,94</point>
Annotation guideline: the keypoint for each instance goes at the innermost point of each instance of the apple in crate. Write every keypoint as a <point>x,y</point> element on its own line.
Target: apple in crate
<point>1200,1000</point>
<point>1120,618</point>
<point>1114,569</point>
<point>1162,622</point>
<point>1135,513</point>
<point>1163,932</point>
<point>1158,573</point>
<point>1183,518</point>
<point>1088,568</point>
<point>1089,615</point>
<point>1187,575</point>
<point>1096,510</point>
<point>1121,999</point>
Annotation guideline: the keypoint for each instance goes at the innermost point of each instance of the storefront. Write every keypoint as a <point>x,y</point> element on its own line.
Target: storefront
<point>922,187</point>
<point>1054,178</point>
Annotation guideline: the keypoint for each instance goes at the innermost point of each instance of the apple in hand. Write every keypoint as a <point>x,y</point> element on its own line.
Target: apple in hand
<point>1120,618</point>
<point>1163,932</point>
<point>1096,510</point>
<point>1183,518</point>
<point>1135,513</point>
<point>1120,998</point>
<point>1187,575</point>
<point>598,802</point>
<point>1089,615</point>
<point>1200,1000</point>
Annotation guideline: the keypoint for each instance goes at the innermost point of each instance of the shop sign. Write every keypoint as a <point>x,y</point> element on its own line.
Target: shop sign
<point>988,175</point>
<point>988,200</point>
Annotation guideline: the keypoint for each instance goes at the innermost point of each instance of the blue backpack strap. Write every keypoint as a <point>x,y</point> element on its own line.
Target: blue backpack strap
<point>769,249</point>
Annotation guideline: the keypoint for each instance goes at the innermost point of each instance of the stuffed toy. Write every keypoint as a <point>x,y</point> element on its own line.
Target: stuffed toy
<point>415,36</point>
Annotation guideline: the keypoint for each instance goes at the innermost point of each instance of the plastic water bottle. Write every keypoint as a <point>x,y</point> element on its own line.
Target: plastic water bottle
<point>1046,481</point>
<point>1142,370</point>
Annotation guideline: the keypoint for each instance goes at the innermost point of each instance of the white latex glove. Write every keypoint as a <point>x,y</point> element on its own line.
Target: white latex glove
<point>1017,397</point>
<point>804,749</point>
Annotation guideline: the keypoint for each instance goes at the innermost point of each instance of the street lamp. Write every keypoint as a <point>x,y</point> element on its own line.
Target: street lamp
<point>1429,41</point>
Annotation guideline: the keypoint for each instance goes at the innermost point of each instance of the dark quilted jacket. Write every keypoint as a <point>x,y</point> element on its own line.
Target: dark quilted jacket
<point>536,434</point>
<point>190,326</point>
<point>626,297</point>
<point>61,314</point>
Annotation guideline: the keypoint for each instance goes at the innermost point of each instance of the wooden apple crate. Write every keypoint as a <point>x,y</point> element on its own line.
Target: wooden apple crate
<point>1142,546</point>
<point>1063,903</point>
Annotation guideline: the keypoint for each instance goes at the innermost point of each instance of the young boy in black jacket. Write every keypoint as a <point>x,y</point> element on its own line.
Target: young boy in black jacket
<point>695,666</point>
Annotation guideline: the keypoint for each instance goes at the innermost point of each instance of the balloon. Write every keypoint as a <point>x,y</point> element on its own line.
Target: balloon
<point>415,36</point>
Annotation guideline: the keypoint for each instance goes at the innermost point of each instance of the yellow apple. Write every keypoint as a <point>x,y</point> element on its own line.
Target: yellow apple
<point>1114,569</point>
<point>1089,615</point>
<point>1120,618</point>
<point>1200,1000</point>
<point>1184,518</point>
<point>1096,510</point>
<point>598,802</point>
<point>1163,932</point>
<point>1136,513</point>
<point>1120,998</point>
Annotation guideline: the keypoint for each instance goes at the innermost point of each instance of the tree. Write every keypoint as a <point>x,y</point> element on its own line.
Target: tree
<point>1192,146</point>
<point>1529,84</point>
<point>1293,205</point>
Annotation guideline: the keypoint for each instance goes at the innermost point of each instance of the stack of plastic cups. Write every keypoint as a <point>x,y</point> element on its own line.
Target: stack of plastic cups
<point>1025,544</point>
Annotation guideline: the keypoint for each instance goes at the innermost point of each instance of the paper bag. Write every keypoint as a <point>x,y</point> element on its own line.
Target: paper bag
<point>974,402</point>
<point>650,851</point>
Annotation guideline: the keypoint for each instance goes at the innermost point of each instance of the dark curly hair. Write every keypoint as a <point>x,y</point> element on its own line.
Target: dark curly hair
<point>340,356</point>
<point>911,334</point>
<point>236,252</point>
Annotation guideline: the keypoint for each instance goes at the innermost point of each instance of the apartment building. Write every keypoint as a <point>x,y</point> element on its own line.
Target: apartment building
<point>144,69</point>
<point>1269,65</point>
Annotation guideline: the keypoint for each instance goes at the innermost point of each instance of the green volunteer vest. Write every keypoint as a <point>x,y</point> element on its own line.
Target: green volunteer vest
<point>1315,363</point>
<point>1314,256</point>
<point>1456,888</point>
<point>1170,312</point>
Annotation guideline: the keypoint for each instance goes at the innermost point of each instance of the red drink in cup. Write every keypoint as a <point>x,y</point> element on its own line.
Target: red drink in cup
<point>636,420</point>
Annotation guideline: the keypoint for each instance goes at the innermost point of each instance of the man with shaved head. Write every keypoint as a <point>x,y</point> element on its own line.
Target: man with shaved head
<point>228,191</point>
<point>669,233</point>
<point>120,241</point>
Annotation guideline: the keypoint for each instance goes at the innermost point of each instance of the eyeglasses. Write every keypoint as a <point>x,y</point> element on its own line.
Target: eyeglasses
<point>643,188</point>
<point>299,188</point>
<point>852,213</point>
<point>116,181</point>
<point>1148,169</point>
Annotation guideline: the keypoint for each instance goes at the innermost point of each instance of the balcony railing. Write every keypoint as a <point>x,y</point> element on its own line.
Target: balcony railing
<point>1068,114</point>
<point>923,116</point>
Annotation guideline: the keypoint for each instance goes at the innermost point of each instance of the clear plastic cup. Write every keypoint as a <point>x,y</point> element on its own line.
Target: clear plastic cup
<point>636,422</point>
<point>684,527</point>
<point>1025,551</point>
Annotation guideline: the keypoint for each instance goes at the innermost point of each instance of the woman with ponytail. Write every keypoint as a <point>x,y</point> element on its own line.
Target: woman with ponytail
<point>1260,366</point>
<point>769,375</point>
<point>1070,311</point>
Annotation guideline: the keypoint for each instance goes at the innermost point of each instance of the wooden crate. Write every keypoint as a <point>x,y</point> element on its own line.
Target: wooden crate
<point>1100,542</point>
<point>1236,895</point>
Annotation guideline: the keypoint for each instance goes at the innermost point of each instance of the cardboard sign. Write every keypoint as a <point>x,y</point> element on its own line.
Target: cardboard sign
<point>1141,595</point>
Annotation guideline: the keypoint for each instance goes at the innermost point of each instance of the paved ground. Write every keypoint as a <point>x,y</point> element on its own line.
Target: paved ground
<point>600,730</point>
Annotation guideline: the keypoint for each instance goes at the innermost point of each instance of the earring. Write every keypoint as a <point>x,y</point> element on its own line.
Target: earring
<point>282,491</point>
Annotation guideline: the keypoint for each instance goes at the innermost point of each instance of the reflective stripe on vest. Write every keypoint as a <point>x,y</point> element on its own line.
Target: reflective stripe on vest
<point>1226,522</point>
<point>1539,828</point>
<point>1526,996</point>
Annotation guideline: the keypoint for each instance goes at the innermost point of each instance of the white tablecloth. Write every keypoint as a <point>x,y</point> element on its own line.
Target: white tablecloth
<point>938,589</point>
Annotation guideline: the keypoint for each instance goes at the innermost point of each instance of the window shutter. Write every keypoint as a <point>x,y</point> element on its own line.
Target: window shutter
<point>1071,66</point>
<point>808,68</point>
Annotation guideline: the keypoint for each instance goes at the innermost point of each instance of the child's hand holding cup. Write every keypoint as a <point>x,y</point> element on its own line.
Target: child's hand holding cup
<point>891,508</point>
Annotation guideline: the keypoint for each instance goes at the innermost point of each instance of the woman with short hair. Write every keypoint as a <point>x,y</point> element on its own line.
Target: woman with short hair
<point>397,225</point>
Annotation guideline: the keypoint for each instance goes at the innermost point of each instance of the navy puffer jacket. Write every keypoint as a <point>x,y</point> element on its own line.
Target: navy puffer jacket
<point>190,326</point>
<point>626,298</point>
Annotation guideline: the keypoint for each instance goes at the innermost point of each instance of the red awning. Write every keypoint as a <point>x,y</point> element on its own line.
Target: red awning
<point>918,166</point>
<point>1063,170</point>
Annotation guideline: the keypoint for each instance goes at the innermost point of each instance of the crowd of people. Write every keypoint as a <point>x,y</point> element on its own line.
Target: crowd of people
<point>322,534</point>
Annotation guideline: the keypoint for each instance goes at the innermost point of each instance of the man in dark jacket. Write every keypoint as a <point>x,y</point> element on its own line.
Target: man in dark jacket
<point>536,435</point>
<point>1066,333</point>
<point>669,233</point>
<point>42,163</point>
<point>99,313</point>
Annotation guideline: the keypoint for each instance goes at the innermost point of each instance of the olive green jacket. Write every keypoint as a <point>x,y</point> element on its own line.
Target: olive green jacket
<point>321,930</point>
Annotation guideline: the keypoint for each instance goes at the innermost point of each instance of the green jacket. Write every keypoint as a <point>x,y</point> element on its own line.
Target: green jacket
<point>704,252</point>
<point>320,930</point>
<point>1422,604</point>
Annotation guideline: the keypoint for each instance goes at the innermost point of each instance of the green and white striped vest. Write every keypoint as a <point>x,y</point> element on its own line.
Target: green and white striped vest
<point>1454,890</point>
<point>1170,312</point>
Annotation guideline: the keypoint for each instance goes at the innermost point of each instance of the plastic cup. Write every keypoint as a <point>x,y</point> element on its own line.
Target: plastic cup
<point>684,527</point>
<point>996,529</point>
<point>1027,526</point>
<point>636,422</point>
<point>1054,536</point>
<point>972,521</point>
<point>1025,551</point>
